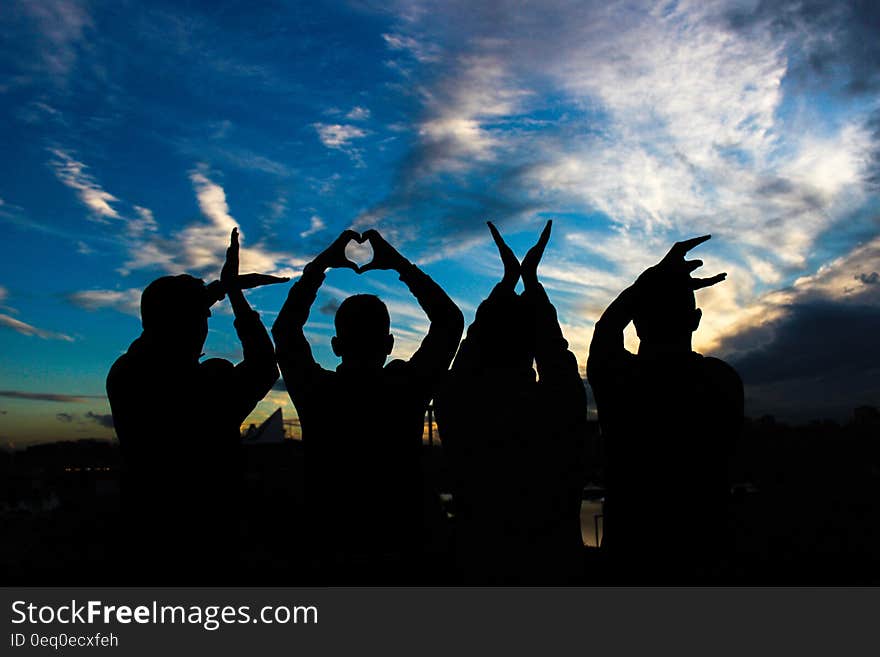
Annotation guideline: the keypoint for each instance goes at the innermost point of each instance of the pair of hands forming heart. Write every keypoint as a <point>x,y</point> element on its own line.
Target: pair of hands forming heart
<point>513,268</point>
<point>385,256</point>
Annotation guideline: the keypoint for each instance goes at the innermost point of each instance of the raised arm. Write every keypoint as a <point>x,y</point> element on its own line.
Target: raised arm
<point>257,372</point>
<point>293,350</point>
<point>556,365</point>
<point>469,357</point>
<point>672,270</point>
<point>447,323</point>
<point>607,343</point>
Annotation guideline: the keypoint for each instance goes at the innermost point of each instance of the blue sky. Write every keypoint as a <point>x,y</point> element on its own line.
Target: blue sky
<point>135,136</point>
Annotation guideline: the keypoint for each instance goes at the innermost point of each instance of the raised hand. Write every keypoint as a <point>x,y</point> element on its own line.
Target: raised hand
<point>511,264</point>
<point>229,273</point>
<point>334,257</point>
<point>385,256</point>
<point>533,256</point>
<point>249,281</point>
<point>675,270</point>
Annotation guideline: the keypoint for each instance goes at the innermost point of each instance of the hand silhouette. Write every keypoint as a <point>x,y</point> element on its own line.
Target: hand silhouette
<point>229,273</point>
<point>533,256</point>
<point>216,290</point>
<point>333,257</point>
<point>511,264</point>
<point>674,270</point>
<point>385,256</point>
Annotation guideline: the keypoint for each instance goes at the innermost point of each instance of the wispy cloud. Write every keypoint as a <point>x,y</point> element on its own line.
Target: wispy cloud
<point>316,225</point>
<point>650,126</point>
<point>201,246</point>
<point>101,419</point>
<point>125,301</point>
<point>144,223</point>
<point>27,329</point>
<point>17,325</point>
<point>422,51</point>
<point>61,27</point>
<point>72,173</point>
<point>358,113</point>
<point>48,396</point>
<point>336,135</point>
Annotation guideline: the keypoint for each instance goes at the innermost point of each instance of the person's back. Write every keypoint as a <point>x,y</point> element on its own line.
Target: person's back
<point>669,424</point>
<point>669,417</point>
<point>177,428</point>
<point>178,421</point>
<point>514,442</point>
<point>362,432</point>
<point>362,424</point>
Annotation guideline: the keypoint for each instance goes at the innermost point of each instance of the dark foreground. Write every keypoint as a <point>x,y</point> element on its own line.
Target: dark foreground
<point>804,510</point>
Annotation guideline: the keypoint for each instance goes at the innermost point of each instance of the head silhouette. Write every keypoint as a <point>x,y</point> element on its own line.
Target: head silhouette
<point>363,331</point>
<point>507,338</point>
<point>175,311</point>
<point>668,316</point>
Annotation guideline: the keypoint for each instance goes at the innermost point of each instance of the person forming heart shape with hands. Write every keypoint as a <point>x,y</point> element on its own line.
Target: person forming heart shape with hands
<point>362,422</point>
<point>385,256</point>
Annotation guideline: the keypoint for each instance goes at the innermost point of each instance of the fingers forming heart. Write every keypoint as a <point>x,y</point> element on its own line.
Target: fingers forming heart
<point>359,251</point>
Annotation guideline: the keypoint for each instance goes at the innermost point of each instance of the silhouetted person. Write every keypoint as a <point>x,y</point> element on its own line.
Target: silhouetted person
<point>178,421</point>
<point>362,424</point>
<point>514,443</point>
<point>669,417</point>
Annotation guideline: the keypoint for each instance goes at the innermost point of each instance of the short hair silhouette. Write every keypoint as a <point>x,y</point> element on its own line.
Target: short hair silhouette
<point>508,339</point>
<point>667,315</point>
<point>669,418</point>
<point>362,422</point>
<point>178,420</point>
<point>363,328</point>
<point>170,299</point>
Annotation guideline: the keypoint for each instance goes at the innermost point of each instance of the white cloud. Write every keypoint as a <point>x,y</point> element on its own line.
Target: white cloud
<point>335,135</point>
<point>454,133</point>
<point>358,113</point>
<point>656,125</point>
<point>27,329</point>
<point>125,301</point>
<point>61,29</point>
<point>316,225</point>
<point>422,51</point>
<point>24,328</point>
<point>201,247</point>
<point>145,222</point>
<point>72,173</point>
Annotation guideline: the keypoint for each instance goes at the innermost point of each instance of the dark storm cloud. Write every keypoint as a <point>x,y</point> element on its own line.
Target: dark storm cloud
<point>813,341</point>
<point>873,165</point>
<point>822,360</point>
<point>832,36</point>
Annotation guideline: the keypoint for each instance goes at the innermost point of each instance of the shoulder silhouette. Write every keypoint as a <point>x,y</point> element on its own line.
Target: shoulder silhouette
<point>514,440</point>
<point>362,424</point>
<point>178,421</point>
<point>669,417</point>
